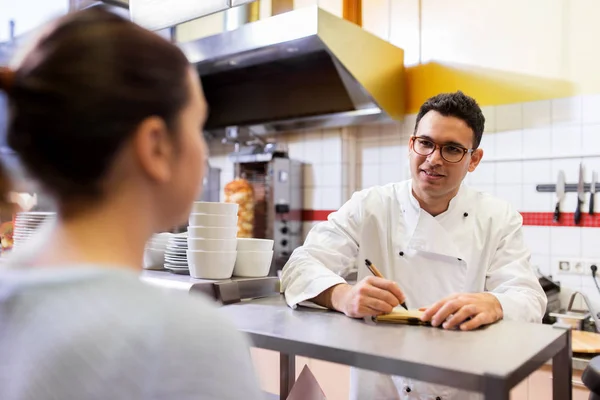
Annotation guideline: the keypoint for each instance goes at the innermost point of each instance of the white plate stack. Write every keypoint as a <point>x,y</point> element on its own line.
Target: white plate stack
<point>154,252</point>
<point>27,223</point>
<point>211,241</point>
<point>175,254</point>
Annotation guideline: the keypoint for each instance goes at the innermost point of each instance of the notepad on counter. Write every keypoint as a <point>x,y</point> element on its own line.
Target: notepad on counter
<point>401,316</point>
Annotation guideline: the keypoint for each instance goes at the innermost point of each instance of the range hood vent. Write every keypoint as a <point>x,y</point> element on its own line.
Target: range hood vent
<point>304,69</point>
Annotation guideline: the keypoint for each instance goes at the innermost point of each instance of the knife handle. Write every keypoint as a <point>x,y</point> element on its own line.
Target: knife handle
<point>592,203</point>
<point>578,212</point>
<point>557,212</point>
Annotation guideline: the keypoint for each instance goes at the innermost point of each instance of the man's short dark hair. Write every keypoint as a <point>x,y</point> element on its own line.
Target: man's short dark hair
<point>457,105</point>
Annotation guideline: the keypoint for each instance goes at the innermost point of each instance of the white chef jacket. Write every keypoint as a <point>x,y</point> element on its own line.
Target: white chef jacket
<point>474,246</point>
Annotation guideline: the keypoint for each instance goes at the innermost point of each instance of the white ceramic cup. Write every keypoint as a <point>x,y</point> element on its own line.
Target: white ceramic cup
<point>212,232</point>
<point>211,264</point>
<point>211,207</point>
<point>211,244</point>
<point>253,264</point>
<point>198,219</point>
<point>251,244</point>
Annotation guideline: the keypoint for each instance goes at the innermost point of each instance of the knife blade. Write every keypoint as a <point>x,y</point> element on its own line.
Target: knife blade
<point>593,191</point>
<point>580,195</point>
<point>560,194</point>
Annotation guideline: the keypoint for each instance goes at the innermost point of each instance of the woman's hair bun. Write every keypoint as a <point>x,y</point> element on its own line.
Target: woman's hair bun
<point>7,77</point>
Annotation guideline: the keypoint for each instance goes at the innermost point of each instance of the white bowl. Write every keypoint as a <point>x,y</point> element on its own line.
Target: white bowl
<point>251,244</point>
<point>197,219</point>
<point>253,264</point>
<point>211,264</point>
<point>212,232</point>
<point>211,207</point>
<point>211,244</point>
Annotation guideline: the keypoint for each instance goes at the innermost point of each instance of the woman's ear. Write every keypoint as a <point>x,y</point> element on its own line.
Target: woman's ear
<point>154,149</point>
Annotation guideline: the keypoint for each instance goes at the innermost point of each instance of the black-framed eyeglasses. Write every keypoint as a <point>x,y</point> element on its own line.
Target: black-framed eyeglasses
<point>450,152</point>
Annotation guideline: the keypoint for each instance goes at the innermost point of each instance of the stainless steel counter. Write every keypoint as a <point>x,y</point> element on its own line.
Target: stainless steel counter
<point>491,360</point>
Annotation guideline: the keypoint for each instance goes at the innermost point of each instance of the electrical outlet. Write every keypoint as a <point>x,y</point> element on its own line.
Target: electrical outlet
<point>564,266</point>
<point>576,266</point>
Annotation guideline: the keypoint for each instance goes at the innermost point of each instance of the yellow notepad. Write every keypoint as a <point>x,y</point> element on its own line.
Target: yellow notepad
<point>401,316</point>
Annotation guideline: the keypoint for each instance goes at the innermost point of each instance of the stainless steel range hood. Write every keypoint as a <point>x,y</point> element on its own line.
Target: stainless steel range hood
<point>298,70</point>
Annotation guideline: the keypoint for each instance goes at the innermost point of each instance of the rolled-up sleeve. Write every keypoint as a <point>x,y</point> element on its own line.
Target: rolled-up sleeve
<point>511,278</point>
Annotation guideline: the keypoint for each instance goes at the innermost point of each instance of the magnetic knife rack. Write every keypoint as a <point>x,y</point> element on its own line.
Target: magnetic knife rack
<point>570,187</point>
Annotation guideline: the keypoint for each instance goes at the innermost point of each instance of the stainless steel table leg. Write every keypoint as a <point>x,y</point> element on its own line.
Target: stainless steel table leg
<point>562,371</point>
<point>287,374</point>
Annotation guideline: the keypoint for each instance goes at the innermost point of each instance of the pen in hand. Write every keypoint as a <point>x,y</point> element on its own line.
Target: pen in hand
<point>378,274</point>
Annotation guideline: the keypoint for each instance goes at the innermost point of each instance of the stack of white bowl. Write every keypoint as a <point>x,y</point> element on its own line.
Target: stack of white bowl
<point>212,240</point>
<point>254,257</point>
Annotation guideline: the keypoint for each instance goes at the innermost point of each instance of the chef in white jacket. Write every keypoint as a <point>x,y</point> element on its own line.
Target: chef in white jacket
<point>444,247</point>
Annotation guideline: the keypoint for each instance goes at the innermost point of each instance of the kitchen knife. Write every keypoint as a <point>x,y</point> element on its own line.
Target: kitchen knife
<point>593,191</point>
<point>560,194</point>
<point>580,195</point>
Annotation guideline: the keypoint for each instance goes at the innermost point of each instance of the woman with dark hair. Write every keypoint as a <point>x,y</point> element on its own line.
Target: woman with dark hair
<point>108,118</point>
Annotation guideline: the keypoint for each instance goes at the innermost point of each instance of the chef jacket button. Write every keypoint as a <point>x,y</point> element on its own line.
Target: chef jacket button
<point>407,389</point>
<point>401,254</point>
<point>438,398</point>
<point>466,214</point>
<point>460,259</point>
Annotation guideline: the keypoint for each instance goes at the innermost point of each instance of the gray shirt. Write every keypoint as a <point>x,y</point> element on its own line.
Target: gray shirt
<point>101,333</point>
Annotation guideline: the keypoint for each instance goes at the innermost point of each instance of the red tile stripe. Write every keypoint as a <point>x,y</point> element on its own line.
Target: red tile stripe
<point>566,219</point>
<point>529,218</point>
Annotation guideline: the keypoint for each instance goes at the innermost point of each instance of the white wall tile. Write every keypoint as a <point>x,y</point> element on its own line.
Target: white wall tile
<point>566,140</point>
<point>509,117</point>
<point>538,171</point>
<point>537,238</point>
<point>567,111</point>
<point>541,262</point>
<point>392,153</point>
<point>488,145</point>
<point>489,113</point>
<point>509,172</point>
<point>537,142</point>
<point>570,166</point>
<point>331,146</point>
<point>534,201</point>
<point>327,175</point>
<point>536,114</point>
<point>591,139</point>
<point>370,152</point>
<point>485,173</point>
<point>393,173</point>
<point>591,109</point>
<point>331,198</point>
<point>509,144</point>
<point>565,241</point>
<point>313,151</point>
<point>590,243</point>
<point>511,193</point>
<point>370,175</point>
<point>312,199</point>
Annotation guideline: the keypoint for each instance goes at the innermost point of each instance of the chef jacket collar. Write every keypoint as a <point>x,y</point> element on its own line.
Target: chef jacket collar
<point>454,202</point>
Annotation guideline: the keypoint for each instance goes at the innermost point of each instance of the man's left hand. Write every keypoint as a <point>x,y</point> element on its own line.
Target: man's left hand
<point>452,311</point>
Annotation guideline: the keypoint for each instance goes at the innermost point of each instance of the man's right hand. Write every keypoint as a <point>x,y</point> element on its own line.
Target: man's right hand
<point>371,296</point>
